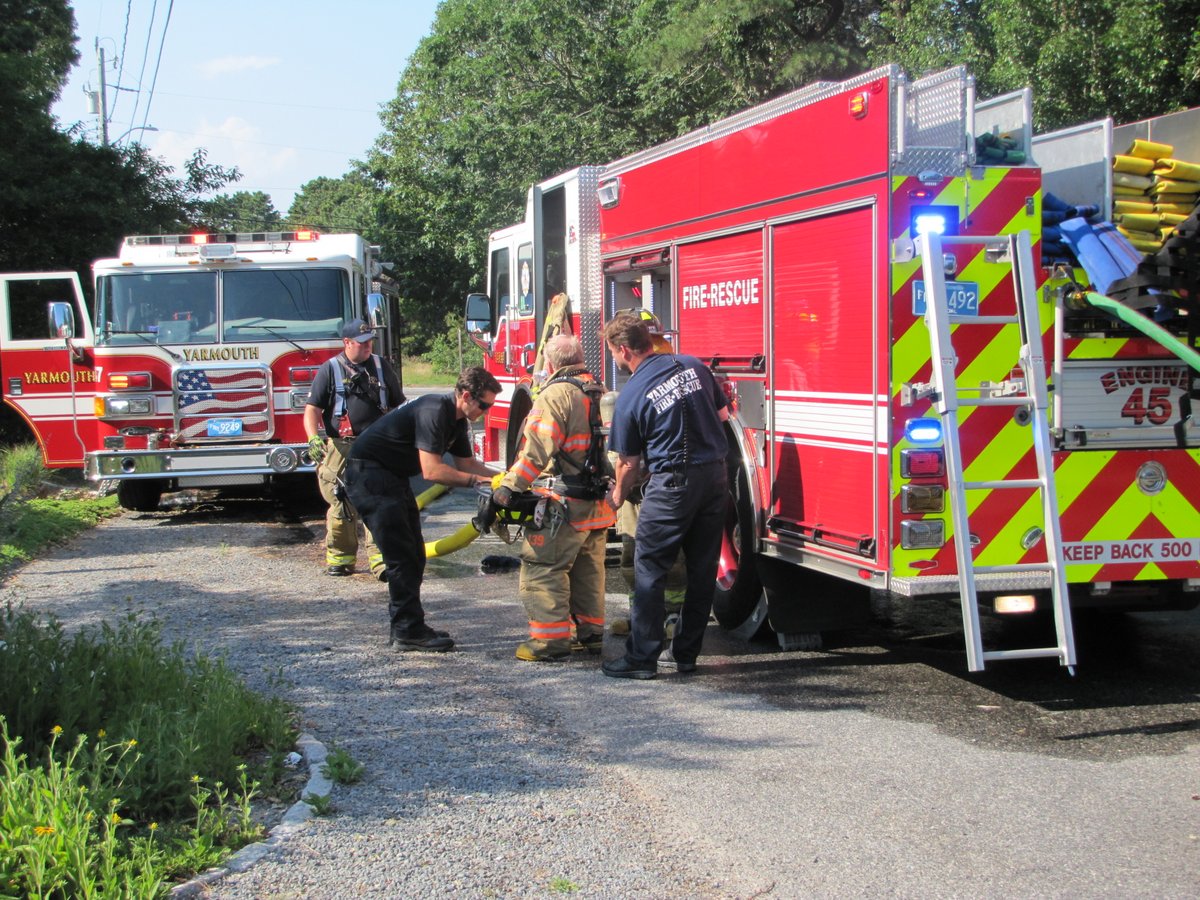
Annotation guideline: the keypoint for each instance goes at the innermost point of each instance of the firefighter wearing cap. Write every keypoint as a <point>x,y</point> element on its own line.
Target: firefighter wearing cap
<point>562,562</point>
<point>349,392</point>
<point>627,516</point>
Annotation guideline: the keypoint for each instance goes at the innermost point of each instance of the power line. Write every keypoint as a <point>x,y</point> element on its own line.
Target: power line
<point>268,102</point>
<point>145,56</point>
<point>157,61</point>
<point>121,61</point>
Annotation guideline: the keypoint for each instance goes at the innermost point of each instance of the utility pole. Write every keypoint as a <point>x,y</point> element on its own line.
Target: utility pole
<point>103,97</point>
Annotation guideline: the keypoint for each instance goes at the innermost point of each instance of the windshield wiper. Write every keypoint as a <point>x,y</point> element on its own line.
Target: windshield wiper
<point>152,343</point>
<point>270,329</point>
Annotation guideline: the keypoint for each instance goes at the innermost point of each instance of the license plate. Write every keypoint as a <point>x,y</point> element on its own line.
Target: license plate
<point>224,427</point>
<point>961,296</point>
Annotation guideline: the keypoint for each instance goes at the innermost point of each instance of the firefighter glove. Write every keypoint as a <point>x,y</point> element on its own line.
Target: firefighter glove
<point>502,496</point>
<point>316,448</point>
<point>497,478</point>
<point>485,514</point>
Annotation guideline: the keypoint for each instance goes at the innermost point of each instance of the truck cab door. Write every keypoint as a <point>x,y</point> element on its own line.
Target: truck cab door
<point>46,361</point>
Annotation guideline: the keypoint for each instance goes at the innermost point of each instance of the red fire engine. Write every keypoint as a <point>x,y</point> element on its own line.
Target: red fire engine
<point>195,369</point>
<point>916,409</point>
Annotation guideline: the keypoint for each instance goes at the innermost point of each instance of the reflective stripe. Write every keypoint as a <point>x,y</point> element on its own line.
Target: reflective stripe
<point>338,559</point>
<point>605,520</point>
<point>549,631</point>
<point>590,620</point>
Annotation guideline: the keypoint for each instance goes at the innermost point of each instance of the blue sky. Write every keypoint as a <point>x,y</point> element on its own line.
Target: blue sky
<point>287,92</point>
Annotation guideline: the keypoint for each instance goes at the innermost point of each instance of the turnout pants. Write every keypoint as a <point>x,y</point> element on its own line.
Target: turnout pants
<point>680,511</point>
<point>562,581</point>
<point>389,509</point>
<point>341,521</point>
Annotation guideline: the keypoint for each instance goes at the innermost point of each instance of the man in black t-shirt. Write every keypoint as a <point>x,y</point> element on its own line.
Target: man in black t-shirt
<point>350,391</point>
<point>411,441</point>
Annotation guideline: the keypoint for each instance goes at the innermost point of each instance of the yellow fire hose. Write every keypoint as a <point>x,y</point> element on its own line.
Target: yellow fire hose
<point>449,544</point>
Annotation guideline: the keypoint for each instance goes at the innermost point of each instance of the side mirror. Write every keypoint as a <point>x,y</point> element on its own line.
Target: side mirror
<point>62,320</point>
<point>479,314</point>
<point>376,311</point>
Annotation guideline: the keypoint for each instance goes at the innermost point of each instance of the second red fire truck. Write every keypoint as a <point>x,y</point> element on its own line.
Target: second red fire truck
<point>918,408</point>
<point>195,368</point>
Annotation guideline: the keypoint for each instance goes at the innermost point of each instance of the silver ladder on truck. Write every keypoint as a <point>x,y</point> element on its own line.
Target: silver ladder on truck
<point>1031,393</point>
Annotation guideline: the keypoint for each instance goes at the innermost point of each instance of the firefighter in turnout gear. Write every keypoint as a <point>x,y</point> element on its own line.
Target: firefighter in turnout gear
<point>562,561</point>
<point>349,392</point>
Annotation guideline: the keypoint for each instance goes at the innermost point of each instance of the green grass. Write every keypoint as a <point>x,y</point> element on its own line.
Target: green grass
<point>420,373</point>
<point>31,522</point>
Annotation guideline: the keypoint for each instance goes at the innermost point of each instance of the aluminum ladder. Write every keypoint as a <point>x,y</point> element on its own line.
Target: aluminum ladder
<point>1030,392</point>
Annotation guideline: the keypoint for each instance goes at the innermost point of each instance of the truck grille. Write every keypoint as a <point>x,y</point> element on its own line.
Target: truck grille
<point>222,403</point>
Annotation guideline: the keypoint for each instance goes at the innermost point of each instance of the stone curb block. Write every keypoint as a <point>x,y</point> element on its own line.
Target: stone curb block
<point>293,821</point>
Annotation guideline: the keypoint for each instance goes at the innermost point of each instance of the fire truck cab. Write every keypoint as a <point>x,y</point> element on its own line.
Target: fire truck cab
<point>196,365</point>
<point>789,247</point>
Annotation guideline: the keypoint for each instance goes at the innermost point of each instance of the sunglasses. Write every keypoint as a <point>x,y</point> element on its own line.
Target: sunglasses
<point>481,404</point>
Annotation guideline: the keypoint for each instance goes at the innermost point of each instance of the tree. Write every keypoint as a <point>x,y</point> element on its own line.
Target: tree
<point>338,204</point>
<point>1084,59</point>
<point>240,211</point>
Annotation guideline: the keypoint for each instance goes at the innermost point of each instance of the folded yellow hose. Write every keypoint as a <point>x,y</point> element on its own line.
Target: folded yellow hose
<point>1178,170</point>
<point>1140,221</point>
<point>1120,207</point>
<point>1124,179</point>
<point>1134,165</point>
<point>1128,193</point>
<point>1174,186</point>
<point>1182,200</point>
<point>1167,218</point>
<point>1150,149</point>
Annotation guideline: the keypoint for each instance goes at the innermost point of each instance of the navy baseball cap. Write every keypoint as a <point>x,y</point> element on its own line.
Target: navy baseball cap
<point>358,330</point>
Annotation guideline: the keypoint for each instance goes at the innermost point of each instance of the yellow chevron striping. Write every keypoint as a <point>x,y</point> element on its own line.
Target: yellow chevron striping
<point>1098,348</point>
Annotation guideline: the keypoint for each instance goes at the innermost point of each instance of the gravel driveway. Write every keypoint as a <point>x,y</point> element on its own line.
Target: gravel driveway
<point>486,777</point>
<point>474,786</point>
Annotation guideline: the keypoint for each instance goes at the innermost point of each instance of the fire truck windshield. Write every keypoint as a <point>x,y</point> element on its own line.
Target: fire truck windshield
<point>208,307</point>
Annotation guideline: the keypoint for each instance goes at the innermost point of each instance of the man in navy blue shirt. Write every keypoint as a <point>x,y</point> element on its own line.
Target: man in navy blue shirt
<point>670,412</point>
<point>408,441</point>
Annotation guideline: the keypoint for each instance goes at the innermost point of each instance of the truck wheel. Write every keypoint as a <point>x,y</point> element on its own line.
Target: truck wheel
<point>739,593</point>
<point>522,402</point>
<point>139,496</point>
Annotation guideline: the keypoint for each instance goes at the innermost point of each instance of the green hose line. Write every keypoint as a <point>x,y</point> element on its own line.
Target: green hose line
<point>1146,326</point>
<point>456,541</point>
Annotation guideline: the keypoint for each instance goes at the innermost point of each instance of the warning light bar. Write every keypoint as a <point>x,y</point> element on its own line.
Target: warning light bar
<point>255,237</point>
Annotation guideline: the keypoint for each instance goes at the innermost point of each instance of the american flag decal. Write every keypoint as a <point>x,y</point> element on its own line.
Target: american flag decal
<point>222,393</point>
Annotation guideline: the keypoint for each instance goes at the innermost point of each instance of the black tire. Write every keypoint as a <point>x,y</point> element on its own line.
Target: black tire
<point>139,495</point>
<point>518,410</point>
<point>739,587</point>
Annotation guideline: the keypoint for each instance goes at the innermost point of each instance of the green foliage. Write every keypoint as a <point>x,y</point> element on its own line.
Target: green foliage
<point>443,353</point>
<point>560,885</point>
<point>240,211</point>
<point>188,716</point>
<point>341,767</point>
<point>61,837</point>
<point>37,50</point>
<point>1085,59</point>
<point>322,804</point>
<point>21,471</point>
<point>29,526</point>
<point>67,832</point>
<point>345,204</point>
